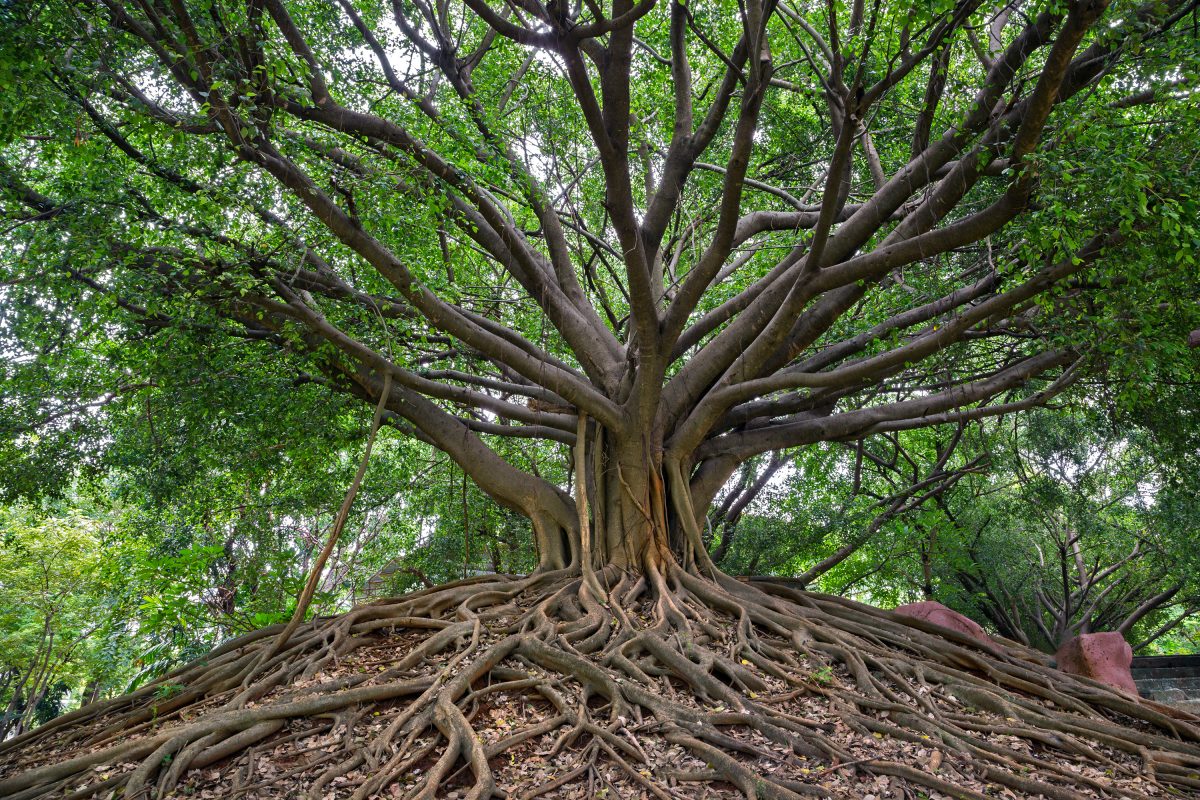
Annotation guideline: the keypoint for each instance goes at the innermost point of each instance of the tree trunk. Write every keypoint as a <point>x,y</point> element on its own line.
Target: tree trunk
<point>630,512</point>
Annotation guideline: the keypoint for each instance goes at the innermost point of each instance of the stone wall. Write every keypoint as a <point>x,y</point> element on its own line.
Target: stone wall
<point>1169,679</point>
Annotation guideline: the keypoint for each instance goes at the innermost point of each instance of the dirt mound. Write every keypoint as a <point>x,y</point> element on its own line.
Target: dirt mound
<point>667,686</point>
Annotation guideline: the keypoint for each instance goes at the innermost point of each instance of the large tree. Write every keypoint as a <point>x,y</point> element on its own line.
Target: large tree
<point>669,236</point>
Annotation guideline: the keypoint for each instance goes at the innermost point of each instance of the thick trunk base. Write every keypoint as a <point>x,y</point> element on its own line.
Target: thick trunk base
<point>674,686</point>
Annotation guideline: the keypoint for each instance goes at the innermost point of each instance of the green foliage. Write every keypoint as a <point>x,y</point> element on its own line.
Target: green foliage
<point>171,455</point>
<point>1087,530</point>
<point>55,636</point>
<point>1069,521</point>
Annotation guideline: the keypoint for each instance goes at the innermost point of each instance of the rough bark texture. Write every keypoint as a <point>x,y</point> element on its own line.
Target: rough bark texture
<point>677,685</point>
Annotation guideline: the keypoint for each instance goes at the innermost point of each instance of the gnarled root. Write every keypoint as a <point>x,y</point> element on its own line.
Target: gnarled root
<point>532,687</point>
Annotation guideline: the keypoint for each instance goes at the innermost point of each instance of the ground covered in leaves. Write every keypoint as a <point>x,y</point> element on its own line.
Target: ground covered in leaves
<point>679,686</point>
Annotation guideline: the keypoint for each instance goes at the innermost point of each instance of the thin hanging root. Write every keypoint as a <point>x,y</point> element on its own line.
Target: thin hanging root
<point>779,693</point>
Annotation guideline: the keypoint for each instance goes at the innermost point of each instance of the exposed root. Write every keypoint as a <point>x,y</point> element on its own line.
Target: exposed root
<point>670,685</point>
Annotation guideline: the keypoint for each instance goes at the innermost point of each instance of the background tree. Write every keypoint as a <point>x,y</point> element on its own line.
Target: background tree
<point>843,509</point>
<point>50,631</point>
<point>1088,535</point>
<point>1040,527</point>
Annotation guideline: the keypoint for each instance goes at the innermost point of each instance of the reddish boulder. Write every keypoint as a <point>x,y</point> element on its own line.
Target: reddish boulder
<point>1104,657</point>
<point>938,614</point>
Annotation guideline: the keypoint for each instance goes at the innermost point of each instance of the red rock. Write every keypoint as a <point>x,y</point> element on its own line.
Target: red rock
<point>938,614</point>
<point>1103,657</point>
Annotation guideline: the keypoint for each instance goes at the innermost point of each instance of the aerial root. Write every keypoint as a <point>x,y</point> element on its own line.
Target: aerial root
<point>777,693</point>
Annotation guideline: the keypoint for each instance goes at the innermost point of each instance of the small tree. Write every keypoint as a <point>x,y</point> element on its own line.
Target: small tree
<point>48,621</point>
